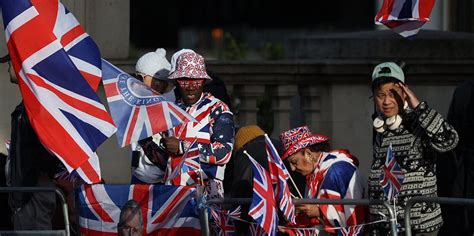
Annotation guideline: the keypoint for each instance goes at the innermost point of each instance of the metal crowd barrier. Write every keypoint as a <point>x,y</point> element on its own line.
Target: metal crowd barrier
<point>58,192</point>
<point>439,200</point>
<point>204,215</point>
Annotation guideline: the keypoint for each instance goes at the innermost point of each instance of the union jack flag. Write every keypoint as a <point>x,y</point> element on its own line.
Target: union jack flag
<point>213,132</point>
<point>58,68</point>
<point>263,208</point>
<point>166,210</point>
<point>224,220</point>
<point>138,111</point>
<point>392,176</point>
<point>351,230</point>
<point>256,230</point>
<point>405,17</point>
<point>303,231</point>
<point>188,170</point>
<point>279,174</point>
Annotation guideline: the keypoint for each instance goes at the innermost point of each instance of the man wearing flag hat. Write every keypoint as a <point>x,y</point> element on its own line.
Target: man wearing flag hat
<point>408,134</point>
<point>207,142</point>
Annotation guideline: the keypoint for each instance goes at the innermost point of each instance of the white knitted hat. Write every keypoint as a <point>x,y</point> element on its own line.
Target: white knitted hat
<point>154,64</point>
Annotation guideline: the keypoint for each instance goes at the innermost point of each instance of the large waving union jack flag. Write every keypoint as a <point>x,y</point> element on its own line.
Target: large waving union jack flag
<point>263,208</point>
<point>166,210</point>
<point>405,17</point>
<point>392,176</point>
<point>138,111</point>
<point>58,67</point>
<point>279,175</point>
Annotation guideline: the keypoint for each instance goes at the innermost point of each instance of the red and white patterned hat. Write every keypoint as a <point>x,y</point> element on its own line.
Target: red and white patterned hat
<point>190,65</point>
<point>296,139</point>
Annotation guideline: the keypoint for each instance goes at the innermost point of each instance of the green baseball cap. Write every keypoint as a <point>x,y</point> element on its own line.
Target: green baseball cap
<point>388,69</point>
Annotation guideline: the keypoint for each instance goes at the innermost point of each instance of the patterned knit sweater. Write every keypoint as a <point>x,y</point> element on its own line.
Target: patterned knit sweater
<point>415,143</point>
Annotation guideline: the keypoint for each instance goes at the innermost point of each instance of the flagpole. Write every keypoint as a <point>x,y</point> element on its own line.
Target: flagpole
<point>289,175</point>
<point>248,155</point>
<point>296,187</point>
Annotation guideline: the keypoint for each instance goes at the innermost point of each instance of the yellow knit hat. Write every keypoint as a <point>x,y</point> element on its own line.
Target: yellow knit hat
<point>246,134</point>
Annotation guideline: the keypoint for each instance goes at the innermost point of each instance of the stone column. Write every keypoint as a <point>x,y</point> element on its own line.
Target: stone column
<point>248,103</point>
<point>108,23</point>
<point>312,105</point>
<point>282,107</point>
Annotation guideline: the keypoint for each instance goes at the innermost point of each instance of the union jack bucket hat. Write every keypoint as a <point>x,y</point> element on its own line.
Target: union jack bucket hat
<point>294,140</point>
<point>189,65</point>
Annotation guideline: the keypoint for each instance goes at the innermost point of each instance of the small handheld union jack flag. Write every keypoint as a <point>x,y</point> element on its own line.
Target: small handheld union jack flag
<point>224,220</point>
<point>263,208</point>
<point>279,175</point>
<point>353,230</point>
<point>392,176</point>
<point>136,109</point>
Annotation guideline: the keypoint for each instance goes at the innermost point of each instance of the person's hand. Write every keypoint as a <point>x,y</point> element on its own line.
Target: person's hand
<point>171,144</point>
<point>309,210</point>
<point>412,100</point>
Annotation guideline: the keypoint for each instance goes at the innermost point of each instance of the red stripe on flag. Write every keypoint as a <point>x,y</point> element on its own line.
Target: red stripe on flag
<point>90,172</point>
<point>41,26</point>
<point>257,209</point>
<point>96,205</point>
<point>386,10</point>
<point>47,138</point>
<point>425,7</point>
<point>203,115</point>
<point>157,120</point>
<point>91,79</point>
<point>170,206</point>
<point>131,128</point>
<point>111,89</point>
<point>270,203</point>
<point>212,159</point>
<point>141,194</point>
<point>78,104</point>
<point>178,113</point>
<point>48,10</point>
<point>29,45</point>
<point>72,34</point>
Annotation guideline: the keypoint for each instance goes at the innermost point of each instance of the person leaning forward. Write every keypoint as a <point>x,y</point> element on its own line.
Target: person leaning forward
<point>329,175</point>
